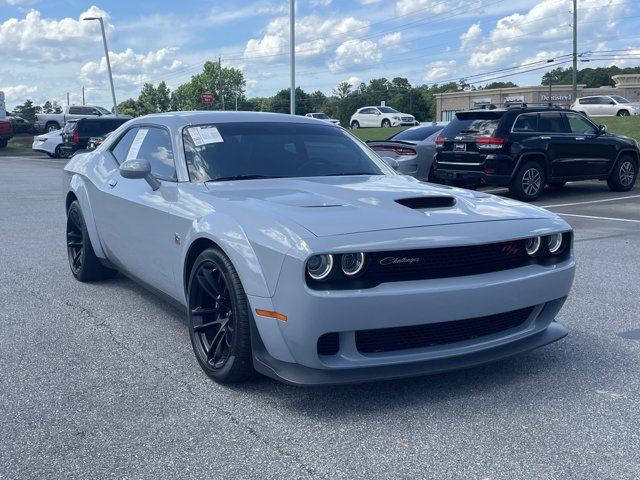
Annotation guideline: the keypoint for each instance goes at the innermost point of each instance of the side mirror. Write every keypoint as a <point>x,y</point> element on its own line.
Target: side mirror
<point>392,162</point>
<point>139,169</point>
<point>602,129</point>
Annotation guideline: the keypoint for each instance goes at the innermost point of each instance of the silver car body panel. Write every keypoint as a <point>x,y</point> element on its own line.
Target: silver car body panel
<point>269,228</point>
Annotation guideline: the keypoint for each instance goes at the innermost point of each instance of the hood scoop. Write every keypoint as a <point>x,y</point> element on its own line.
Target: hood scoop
<point>426,203</point>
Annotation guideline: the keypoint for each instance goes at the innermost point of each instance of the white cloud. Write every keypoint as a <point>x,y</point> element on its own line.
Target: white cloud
<point>490,58</point>
<point>19,93</point>
<point>319,3</point>
<point>354,81</point>
<point>439,69</point>
<point>470,36</point>
<point>20,2</point>
<point>391,41</point>
<point>369,2</point>
<point>542,55</point>
<point>33,38</point>
<point>131,68</point>
<point>405,7</point>
<point>353,53</point>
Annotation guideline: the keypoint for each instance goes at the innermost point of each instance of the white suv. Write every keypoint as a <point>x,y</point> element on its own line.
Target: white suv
<point>380,117</point>
<point>606,106</point>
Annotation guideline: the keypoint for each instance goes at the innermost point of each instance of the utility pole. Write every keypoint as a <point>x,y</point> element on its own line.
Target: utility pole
<point>83,95</point>
<point>106,55</point>
<point>68,99</point>
<point>220,84</point>
<point>292,46</point>
<point>574,90</point>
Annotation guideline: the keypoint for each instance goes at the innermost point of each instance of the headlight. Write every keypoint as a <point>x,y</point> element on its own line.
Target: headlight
<point>554,243</point>
<point>352,263</point>
<point>396,117</point>
<point>533,245</point>
<point>319,266</point>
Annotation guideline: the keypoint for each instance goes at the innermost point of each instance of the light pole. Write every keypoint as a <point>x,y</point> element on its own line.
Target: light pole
<point>106,54</point>
<point>292,41</point>
<point>574,73</point>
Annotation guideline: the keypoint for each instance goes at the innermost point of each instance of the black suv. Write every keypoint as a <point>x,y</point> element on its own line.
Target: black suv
<point>77,133</point>
<point>526,148</point>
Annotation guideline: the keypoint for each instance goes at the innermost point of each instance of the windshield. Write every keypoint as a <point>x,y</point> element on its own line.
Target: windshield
<point>417,134</point>
<point>237,151</point>
<point>320,115</point>
<point>387,110</point>
<point>620,99</point>
<point>103,111</point>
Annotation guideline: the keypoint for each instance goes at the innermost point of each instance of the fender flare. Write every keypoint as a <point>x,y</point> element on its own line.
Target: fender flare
<point>78,187</point>
<point>523,157</point>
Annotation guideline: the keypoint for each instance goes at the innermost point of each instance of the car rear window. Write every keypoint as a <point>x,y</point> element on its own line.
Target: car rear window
<point>417,133</point>
<point>483,123</point>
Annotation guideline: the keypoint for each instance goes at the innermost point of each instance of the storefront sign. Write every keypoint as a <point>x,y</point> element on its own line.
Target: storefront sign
<point>514,99</point>
<point>555,97</point>
<point>482,101</point>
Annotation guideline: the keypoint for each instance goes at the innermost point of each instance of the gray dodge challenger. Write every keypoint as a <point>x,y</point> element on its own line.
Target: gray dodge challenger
<point>297,252</point>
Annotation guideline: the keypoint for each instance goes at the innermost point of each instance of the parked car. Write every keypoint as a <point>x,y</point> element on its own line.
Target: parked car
<point>6,132</point>
<point>76,134</point>
<point>323,116</point>
<point>606,106</point>
<point>95,142</point>
<point>413,149</point>
<point>527,148</point>
<point>50,143</point>
<point>19,124</point>
<point>380,117</point>
<point>48,122</point>
<point>295,251</point>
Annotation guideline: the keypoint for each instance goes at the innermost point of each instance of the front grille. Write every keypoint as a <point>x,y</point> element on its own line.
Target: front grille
<point>433,334</point>
<point>446,262</point>
<point>407,119</point>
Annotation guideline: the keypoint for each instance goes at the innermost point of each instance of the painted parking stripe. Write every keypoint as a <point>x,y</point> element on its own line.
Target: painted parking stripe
<point>590,201</point>
<point>598,218</point>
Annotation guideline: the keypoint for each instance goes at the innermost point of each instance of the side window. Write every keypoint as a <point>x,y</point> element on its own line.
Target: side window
<point>75,110</point>
<point>580,125</point>
<point>526,123</point>
<point>551,122</point>
<point>156,148</point>
<point>586,101</point>
<point>368,111</point>
<point>122,147</point>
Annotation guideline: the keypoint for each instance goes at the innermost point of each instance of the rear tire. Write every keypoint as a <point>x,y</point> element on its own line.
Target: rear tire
<point>83,262</point>
<point>623,113</point>
<point>219,319</point>
<point>624,174</point>
<point>4,143</point>
<point>386,123</point>
<point>528,183</point>
<point>51,127</point>
<point>355,125</point>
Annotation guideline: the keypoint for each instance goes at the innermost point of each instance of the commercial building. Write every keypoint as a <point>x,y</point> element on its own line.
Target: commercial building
<point>447,104</point>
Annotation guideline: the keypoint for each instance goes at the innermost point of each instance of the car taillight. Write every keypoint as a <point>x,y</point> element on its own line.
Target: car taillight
<point>76,137</point>
<point>5,127</point>
<point>490,142</point>
<point>439,140</point>
<point>396,150</point>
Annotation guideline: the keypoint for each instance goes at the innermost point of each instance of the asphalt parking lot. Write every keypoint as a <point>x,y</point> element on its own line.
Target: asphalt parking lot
<point>99,380</point>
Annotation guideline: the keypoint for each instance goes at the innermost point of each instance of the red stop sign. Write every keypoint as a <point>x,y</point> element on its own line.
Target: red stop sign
<point>206,97</point>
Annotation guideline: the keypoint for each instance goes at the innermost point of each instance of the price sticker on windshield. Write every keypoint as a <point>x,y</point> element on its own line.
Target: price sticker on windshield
<point>205,135</point>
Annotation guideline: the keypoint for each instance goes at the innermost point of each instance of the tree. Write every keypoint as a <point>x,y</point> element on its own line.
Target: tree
<point>163,97</point>
<point>148,100</point>
<point>226,83</point>
<point>342,90</point>
<point>498,85</point>
<point>28,111</point>
<point>47,107</point>
<point>129,107</point>
<point>56,107</point>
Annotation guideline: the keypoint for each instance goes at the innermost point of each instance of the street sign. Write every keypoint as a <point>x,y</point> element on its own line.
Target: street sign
<point>206,97</point>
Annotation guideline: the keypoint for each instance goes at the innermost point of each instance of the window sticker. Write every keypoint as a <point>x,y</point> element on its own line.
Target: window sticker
<point>136,144</point>
<point>205,135</point>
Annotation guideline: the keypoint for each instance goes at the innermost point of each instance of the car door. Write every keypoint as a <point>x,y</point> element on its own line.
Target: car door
<point>561,144</point>
<point>594,152</point>
<point>133,220</point>
<point>369,117</point>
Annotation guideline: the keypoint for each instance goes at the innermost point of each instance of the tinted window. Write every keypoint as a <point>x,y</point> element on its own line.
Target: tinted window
<point>156,148</point>
<point>122,147</point>
<point>473,123</point>
<point>368,111</point>
<point>275,150</point>
<point>416,134</point>
<point>587,101</point>
<point>387,110</point>
<point>604,101</point>
<point>551,122</point>
<point>526,123</point>
<point>620,99</point>
<point>580,125</point>
<point>75,110</point>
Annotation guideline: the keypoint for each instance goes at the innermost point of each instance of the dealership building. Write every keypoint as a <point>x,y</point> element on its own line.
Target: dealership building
<point>447,104</point>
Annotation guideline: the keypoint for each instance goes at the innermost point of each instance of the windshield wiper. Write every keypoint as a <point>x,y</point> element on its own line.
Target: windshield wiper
<point>241,177</point>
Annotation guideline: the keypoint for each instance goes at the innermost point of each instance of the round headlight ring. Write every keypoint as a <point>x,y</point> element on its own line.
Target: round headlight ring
<point>352,263</point>
<point>533,246</point>
<point>319,266</point>
<point>554,243</point>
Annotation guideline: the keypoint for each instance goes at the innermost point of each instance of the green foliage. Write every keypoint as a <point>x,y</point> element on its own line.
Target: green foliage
<point>591,77</point>
<point>498,85</point>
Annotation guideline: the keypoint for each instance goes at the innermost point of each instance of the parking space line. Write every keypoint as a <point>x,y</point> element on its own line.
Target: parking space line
<point>590,201</point>
<point>599,218</point>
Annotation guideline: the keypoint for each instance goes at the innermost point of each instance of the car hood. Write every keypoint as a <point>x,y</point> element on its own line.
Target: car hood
<point>328,206</point>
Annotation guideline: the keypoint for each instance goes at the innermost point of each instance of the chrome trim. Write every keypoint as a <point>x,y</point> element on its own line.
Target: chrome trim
<point>458,163</point>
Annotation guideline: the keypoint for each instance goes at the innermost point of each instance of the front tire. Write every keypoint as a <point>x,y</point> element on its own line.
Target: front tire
<point>84,264</point>
<point>623,113</point>
<point>219,319</point>
<point>624,174</point>
<point>528,182</point>
<point>355,125</point>
<point>386,123</point>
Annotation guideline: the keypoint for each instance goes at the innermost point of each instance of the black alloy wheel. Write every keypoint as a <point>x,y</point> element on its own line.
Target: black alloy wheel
<point>83,262</point>
<point>219,319</point>
<point>386,123</point>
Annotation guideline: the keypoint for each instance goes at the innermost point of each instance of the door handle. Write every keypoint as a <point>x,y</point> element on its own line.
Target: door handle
<point>113,182</point>
<point>545,138</point>
<point>579,138</point>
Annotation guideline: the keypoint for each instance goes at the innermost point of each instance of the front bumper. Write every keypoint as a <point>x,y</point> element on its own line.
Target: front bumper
<point>289,350</point>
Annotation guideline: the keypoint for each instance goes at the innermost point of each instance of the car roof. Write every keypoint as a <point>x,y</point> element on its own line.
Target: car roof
<point>180,119</point>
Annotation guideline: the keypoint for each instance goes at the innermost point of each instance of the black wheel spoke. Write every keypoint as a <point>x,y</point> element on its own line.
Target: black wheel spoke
<point>207,282</point>
<point>216,347</point>
<point>204,326</point>
<point>204,311</point>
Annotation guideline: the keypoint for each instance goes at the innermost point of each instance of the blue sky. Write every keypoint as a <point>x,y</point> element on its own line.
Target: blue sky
<point>48,51</point>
